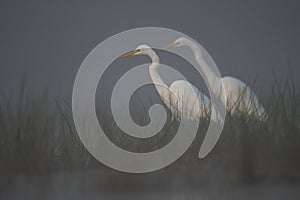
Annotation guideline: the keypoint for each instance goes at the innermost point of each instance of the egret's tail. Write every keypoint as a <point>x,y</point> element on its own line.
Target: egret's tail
<point>261,113</point>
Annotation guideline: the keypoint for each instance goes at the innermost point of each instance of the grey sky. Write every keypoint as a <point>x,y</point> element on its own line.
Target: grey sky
<point>49,40</point>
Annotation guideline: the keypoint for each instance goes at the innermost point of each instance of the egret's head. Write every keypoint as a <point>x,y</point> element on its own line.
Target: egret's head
<point>181,41</point>
<point>140,50</point>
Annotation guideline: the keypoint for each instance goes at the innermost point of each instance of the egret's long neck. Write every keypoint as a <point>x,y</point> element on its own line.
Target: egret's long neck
<point>215,83</point>
<point>153,68</point>
<point>207,71</point>
<point>159,84</point>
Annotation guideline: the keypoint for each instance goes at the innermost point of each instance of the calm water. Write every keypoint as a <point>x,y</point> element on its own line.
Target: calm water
<point>109,184</point>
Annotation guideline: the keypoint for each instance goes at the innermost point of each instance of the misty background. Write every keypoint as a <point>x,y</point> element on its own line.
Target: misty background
<point>41,155</point>
<point>48,40</point>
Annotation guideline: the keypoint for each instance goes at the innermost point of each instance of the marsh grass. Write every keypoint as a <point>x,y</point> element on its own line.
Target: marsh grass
<point>37,135</point>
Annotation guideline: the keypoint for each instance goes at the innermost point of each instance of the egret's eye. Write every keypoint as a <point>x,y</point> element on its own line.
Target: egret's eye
<point>138,50</point>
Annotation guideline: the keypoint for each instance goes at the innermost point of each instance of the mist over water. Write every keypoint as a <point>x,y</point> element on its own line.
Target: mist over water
<point>107,184</point>
<point>42,47</point>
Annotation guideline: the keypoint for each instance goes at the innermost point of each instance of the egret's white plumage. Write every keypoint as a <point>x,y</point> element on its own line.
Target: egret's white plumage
<point>182,98</point>
<point>240,98</point>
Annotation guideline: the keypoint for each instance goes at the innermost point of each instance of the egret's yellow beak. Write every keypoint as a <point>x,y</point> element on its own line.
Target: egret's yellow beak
<point>130,53</point>
<point>168,47</point>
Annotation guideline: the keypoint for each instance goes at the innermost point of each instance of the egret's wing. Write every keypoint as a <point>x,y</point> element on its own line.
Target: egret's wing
<point>191,102</point>
<point>242,98</point>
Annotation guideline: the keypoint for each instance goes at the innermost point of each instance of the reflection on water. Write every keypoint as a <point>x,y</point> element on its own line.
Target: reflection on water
<point>110,184</point>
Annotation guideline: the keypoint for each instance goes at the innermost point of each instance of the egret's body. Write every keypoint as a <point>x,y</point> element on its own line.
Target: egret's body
<point>239,97</point>
<point>187,95</point>
<point>181,97</point>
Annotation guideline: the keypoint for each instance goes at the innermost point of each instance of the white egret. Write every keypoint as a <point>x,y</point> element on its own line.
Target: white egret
<point>188,101</point>
<point>240,98</point>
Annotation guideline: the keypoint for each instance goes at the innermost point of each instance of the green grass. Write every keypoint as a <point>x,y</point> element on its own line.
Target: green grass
<point>37,135</point>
